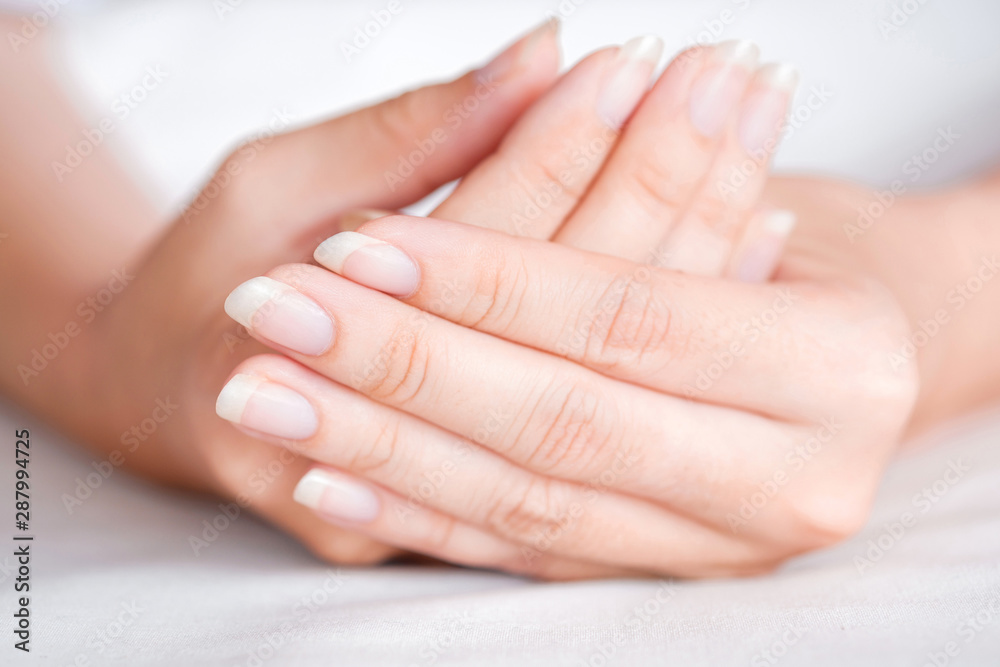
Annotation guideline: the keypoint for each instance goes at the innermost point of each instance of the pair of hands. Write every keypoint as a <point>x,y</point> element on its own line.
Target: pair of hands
<point>586,378</point>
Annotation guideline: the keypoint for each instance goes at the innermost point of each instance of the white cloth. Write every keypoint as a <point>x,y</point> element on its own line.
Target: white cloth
<point>118,583</point>
<point>888,93</point>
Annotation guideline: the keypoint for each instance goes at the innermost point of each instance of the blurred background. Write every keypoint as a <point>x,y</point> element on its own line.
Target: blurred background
<point>880,78</point>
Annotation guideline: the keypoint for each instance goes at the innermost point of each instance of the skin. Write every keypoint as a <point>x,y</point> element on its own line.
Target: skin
<point>166,336</point>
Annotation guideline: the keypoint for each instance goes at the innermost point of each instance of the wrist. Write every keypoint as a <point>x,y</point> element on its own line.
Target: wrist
<point>940,260</point>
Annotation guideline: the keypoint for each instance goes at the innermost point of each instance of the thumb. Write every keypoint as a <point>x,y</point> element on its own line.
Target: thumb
<point>393,153</point>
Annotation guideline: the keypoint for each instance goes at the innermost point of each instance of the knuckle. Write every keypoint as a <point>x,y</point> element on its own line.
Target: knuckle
<point>397,374</point>
<point>380,452</point>
<point>530,517</point>
<point>582,431</point>
<point>398,120</point>
<point>825,515</point>
<point>655,184</point>
<point>499,291</point>
<point>631,324</point>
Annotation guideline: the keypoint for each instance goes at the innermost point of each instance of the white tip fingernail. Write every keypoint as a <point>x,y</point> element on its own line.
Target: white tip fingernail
<point>738,52</point>
<point>627,79</point>
<point>234,396</point>
<point>779,76</point>
<point>780,222</point>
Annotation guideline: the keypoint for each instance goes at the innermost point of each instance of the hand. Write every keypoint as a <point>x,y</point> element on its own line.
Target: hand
<point>687,199</point>
<point>167,338</point>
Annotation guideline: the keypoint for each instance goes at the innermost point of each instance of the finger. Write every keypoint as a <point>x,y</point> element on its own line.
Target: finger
<point>703,241</point>
<point>388,519</point>
<point>759,252</point>
<point>432,468</point>
<point>562,420</point>
<point>664,154</point>
<point>645,325</point>
<point>548,159</point>
<point>392,153</point>
<point>261,478</point>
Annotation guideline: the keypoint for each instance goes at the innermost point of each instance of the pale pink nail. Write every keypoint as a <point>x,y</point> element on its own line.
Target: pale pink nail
<point>719,88</point>
<point>627,79</point>
<point>267,407</point>
<point>282,315</point>
<point>763,112</point>
<point>762,255</point>
<point>337,496</point>
<point>518,54</point>
<point>369,262</point>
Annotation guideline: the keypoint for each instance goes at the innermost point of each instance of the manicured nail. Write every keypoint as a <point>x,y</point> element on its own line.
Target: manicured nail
<point>518,54</point>
<point>628,79</point>
<point>763,111</point>
<point>267,407</point>
<point>337,496</point>
<point>282,315</point>
<point>350,221</point>
<point>369,262</point>
<point>720,87</point>
<point>762,255</point>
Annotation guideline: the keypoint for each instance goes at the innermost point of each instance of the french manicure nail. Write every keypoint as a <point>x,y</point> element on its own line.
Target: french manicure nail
<point>763,112</point>
<point>627,79</point>
<point>369,262</point>
<point>762,255</point>
<point>267,407</point>
<point>337,496</point>
<point>281,314</point>
<point>720,87</point>
<point>518,54</point>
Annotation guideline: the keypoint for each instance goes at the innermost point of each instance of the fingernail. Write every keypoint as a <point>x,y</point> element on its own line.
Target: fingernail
<point>518,54</point>
<point>762,255</point>
<point>369,262</point>
<point>720,87</point>
<point>281,314</point>
<point>764,110</point>
<point>267,407</point>
<point>337,496</point>
<point>351,220</point>
<point>628,79</point>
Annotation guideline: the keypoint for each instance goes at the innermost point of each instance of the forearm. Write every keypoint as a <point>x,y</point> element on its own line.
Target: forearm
<point>67,239</point>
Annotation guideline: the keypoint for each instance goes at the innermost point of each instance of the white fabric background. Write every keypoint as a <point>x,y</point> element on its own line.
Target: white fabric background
<point>226,77</point>
<point>129,543</point>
